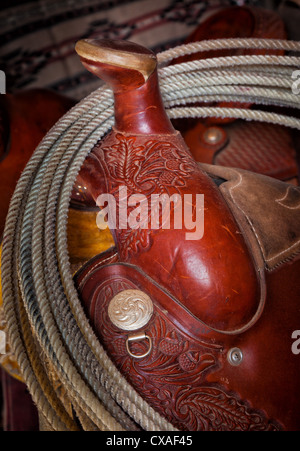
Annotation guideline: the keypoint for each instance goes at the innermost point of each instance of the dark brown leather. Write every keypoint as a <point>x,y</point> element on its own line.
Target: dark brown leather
<point>270,207</point>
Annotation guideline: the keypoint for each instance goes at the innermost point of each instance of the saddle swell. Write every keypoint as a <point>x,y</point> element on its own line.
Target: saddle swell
<point>148,164</point>
<point>190,323</point>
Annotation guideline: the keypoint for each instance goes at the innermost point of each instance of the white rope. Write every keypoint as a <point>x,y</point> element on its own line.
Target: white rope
<point>218,78</point>
<point>35,262</point>
<point>237,99</point>
<point>236,113</point>
<point>230,61</point>
<point>221,44</point>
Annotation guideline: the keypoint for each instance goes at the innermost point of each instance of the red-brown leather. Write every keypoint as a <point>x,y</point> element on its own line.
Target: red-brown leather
<point>21,130</point>
<point>187,376</point>
<point>263,148</point>
<point>209,295</point>
<point>237,22</point>
<point>135,155</point>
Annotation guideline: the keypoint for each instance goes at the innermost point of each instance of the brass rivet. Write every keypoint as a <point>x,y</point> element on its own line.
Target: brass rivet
<point>213,135</point>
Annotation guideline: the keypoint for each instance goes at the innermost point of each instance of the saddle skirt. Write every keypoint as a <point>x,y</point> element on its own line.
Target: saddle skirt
<point>196,377</point>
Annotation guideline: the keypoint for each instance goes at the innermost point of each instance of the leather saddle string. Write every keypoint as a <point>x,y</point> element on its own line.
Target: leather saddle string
<point>35,264</point>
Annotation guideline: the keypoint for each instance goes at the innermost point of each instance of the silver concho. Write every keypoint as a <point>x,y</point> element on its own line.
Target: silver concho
<point>130,309</point>
<point>235,356</point>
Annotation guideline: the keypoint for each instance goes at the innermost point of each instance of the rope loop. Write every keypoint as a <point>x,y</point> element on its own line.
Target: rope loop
<point>39,294</point>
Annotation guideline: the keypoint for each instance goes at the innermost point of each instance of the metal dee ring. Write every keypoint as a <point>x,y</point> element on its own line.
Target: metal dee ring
<point>139,337</point>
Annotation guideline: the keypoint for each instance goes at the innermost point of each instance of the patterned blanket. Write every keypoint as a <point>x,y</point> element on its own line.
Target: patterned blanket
<point>37,37</point>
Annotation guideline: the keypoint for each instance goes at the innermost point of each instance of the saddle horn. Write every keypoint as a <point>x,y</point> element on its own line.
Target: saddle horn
<point>145,155</point>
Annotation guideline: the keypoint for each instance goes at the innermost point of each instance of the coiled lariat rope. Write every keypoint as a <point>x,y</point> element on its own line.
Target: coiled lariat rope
<point>49,333</point>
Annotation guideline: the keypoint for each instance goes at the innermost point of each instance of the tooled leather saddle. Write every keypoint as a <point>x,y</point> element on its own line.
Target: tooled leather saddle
<point>199,317</point>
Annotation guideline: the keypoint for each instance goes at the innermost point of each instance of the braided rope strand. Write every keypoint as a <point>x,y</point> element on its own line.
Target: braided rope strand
<point>38,288</point>
<point>233,43</point>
